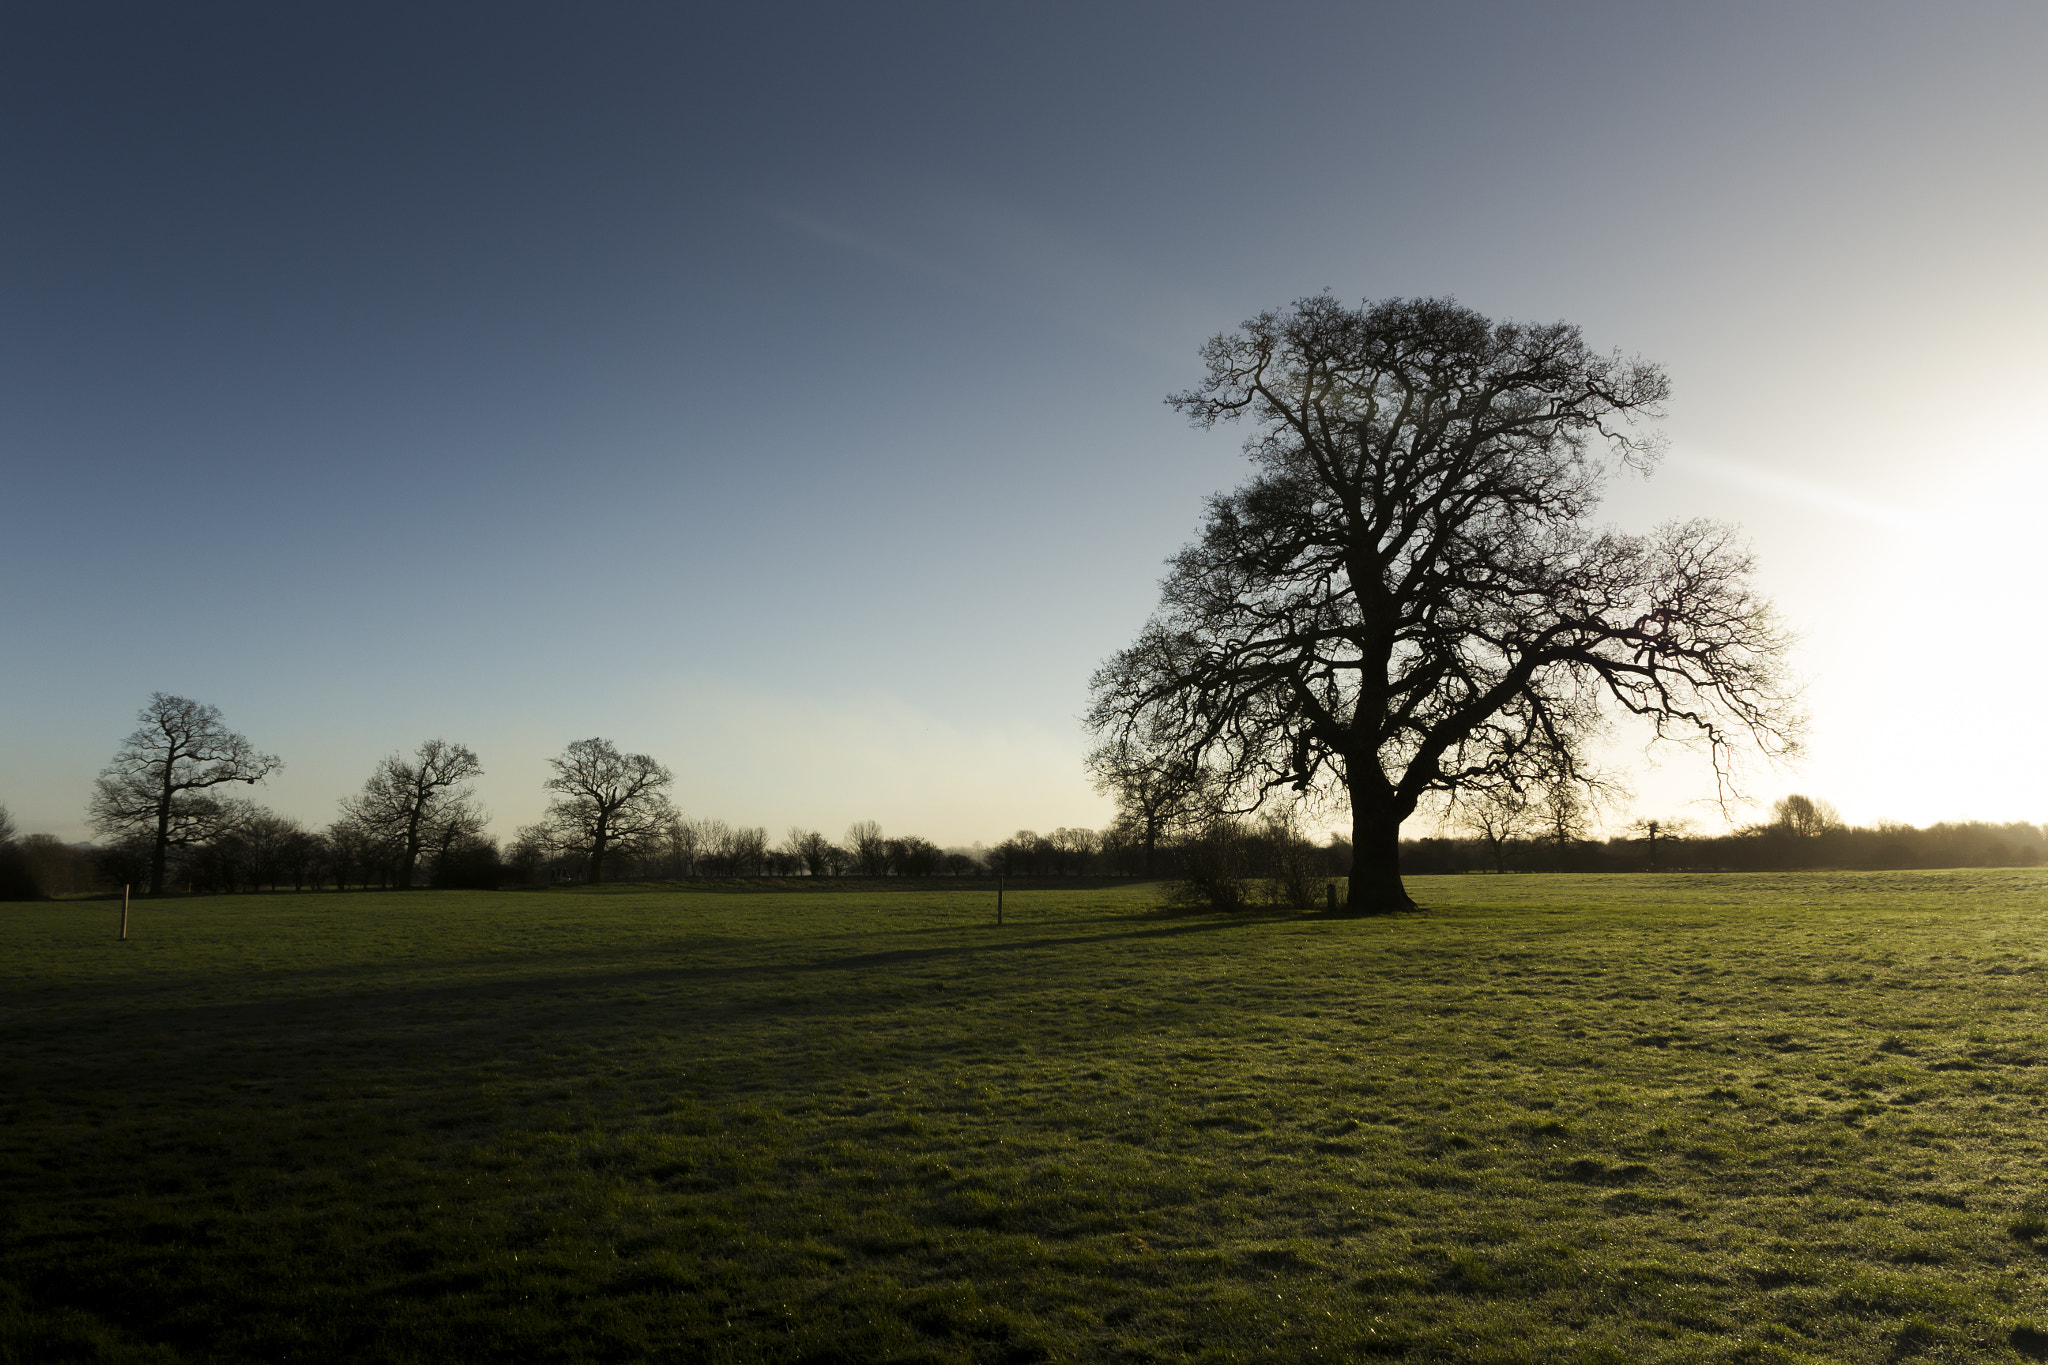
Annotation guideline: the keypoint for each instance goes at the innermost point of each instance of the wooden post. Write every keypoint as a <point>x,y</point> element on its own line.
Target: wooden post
<point>999,899</point>
<point>124,912</point>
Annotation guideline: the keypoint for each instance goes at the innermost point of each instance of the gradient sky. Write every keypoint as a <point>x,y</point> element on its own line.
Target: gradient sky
<point>777,389</point>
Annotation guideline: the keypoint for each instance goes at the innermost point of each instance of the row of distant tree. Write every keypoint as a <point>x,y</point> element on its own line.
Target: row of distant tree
<point>167,821</point>
<point>1803,832</point>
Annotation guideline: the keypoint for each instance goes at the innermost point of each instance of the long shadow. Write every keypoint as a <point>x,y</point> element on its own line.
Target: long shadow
<point>657,938</point>
<point>506,981</point>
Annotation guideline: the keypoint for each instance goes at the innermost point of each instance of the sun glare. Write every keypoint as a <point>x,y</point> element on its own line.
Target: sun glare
<point>1938,730</point>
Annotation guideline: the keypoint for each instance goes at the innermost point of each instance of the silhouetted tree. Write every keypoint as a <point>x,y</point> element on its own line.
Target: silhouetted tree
<point>353,853</point>
<point>741,850</point>
<point>1296,870</point>
<point>160,783</point>
<point>419,800</point>
<point>609,802</point>
<point>809,848</point>
<point>1564,819</point>
<point>1802,817</point>
<point>58,868</point>
<point>265,840</point>
<point>870,850</point>
<point>912,856</point>
<point>1158,790</point>
<point>1405,598</point>
<point>17,878</point>
<point>1216,864</point>
<point>689,844</point>
<point>1497,815</point>
<point>1660,835</point>
<point>1073,850</point>
<point>469,862</point>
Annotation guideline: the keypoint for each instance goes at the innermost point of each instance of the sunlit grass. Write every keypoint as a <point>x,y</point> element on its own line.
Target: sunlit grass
<point>1616,1118</point>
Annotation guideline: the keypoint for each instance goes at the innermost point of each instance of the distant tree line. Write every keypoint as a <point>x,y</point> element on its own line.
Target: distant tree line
<point>165,823</point>
<point>1803,832</point>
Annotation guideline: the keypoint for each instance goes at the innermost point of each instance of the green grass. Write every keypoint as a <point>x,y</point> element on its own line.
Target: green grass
<point>1739,1118</point>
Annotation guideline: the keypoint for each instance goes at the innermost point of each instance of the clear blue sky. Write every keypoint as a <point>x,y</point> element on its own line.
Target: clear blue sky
<point>776,389</point>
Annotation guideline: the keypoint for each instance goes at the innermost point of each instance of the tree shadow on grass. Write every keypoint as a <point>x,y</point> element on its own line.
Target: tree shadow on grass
<point>362,994</point>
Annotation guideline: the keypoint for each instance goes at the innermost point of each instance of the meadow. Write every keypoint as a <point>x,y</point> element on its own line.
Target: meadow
<point>1766,1117</point>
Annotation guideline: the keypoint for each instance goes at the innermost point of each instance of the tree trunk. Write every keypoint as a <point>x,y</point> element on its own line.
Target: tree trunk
<point>409,856</point>
<point>159,851</point>
<point>1375,887</point>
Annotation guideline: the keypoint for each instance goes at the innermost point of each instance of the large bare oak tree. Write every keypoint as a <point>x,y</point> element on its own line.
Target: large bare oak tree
<point>159,786</point>
<point>1407,599</point>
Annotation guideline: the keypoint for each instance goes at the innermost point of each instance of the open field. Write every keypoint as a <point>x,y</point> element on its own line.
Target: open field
<point>1735,1118</point>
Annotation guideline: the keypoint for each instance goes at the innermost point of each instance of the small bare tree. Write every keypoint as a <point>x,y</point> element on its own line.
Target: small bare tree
<point>808,847</point>
<point>1215,865</point>
<point>420,800</point>
<point>1296,870</point>
<point>870,849</point>
<point>742,849</point>
<point>160,785</point>
<point>1157,793</point>
<point>1497,816</point>
<point>1074,849</point>
<point>1803,817</point>
<point>609,802</point>
<point>1655,832</point>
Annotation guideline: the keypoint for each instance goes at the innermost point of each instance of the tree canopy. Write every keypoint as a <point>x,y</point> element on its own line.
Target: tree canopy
<point>158,788</point>
<point>1407,598</point>
<point>419,800</point>
<point>606,802</point>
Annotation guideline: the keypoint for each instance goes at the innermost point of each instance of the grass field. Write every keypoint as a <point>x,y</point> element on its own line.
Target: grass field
<point>1733,1118</point>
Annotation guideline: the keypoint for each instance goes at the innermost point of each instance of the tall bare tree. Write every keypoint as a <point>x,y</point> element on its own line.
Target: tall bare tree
<point>1406,596</point>
<point>419,800</point>
<point>868,847</point>
<point>159,787</point>
<point>609,802</point>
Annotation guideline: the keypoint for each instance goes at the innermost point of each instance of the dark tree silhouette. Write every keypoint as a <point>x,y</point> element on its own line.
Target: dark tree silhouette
<point>1496,816</point>
<point>1158,790</point>
<point>809,847</point>
<point>1803,817</point>
<point>17,878</point>
<point>159,785</point>
<point>609,802</point>
<point>1406,599</point>
<point>868,847</point>
<point>420,800</point>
